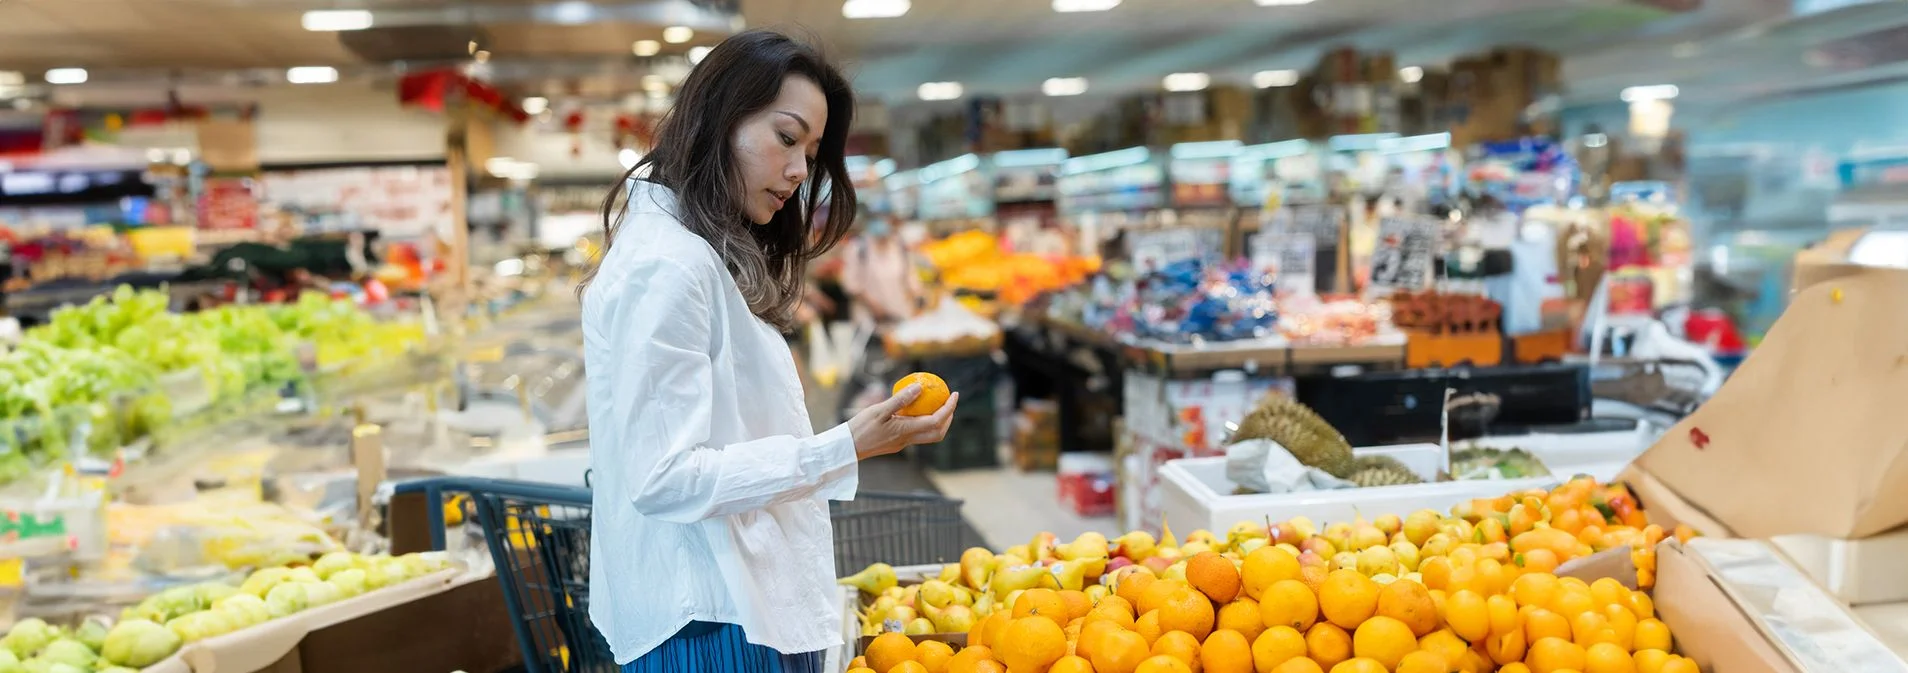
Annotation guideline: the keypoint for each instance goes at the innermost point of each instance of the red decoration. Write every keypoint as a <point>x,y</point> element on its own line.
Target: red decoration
<point>1699,438</point>
<point>435,89</point>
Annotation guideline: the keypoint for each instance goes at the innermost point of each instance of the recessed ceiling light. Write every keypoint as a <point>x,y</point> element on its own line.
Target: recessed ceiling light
<point>1266,79</point>
<point>12,78</point>
<point>535,105</point>
<point>572,12</point>
<point>330,20</point>
<point>1648,92</point>
<point>1064,86</point>
<point>312,74</point>
<point>874,9</point>
<point>939,91</point>
<point>66,76</point>
<point>696,54</point>
<point>655,84</point>
<point>678,34</point>
<point>1282,3</point>
<point>1187,81</point>
<point>1411,74</point>
<point>646,47</point>
<point>1084,5</point>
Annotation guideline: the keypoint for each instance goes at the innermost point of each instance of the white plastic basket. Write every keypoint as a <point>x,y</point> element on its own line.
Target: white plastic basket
<point>1195,493</point>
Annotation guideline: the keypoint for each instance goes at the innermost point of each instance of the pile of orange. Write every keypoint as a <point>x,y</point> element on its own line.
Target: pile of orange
<point>1264,614</point>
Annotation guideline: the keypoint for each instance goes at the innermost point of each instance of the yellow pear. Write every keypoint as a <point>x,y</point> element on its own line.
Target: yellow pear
<point>1136,546</point>
<point>872,580</point>
<point>1017,551</point>
<point>1252,544</point>
<point>955,619</point>
<point>1176,571</point>
<point>938,594</point>
<point>984,605</point>
<point>1072,574</point>
<point>1041,548</point>
<point>950,572</point>
<point>977,566</point>
<point>1097,592</point>
<point>1017,578</point>
<point>1088,546</point>
<point>902,613</point>
<point>919,627</point>
<point>1166,534</point>
<point>1195,548</point>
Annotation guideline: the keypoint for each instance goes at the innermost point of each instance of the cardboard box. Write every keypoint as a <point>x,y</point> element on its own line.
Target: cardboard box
<point>1736,606</point>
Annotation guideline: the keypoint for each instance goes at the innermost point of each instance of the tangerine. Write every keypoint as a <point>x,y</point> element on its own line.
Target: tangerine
<point>933,655</point>
<point>1289,603</point>
<point>1092,635</point>
<point>1226,651</point>
<point>1132,586</point>
<point>1189,611</point>
<point>1445,644</point>
<point>1360,665</point>
<point>1297,665</point>
<point>1031,644</point>
<point>1465,612</point>
<point>1148,627</point>
<point>1276,646</point>
<point>1554,654</point>
<point>1043,603</point>
<point>1266,566</point>
<point>1650,661</point>
<point>1163,664</point>
<point>1071,664</point>
<point>968,659</point>
<point>1242,615</point>
<point>1157,592</point>
<point>1213,575</point>
<point>1409,602</point>
<point>1676,664</point>
<point>934,394</point>
<point>1327,644</point>
<point>1348,598</point>
<point>888,650</point>
<point>1423,662</point>
<point>1651,634</point>
<point>1078,605</point>
<point>1120,652</point>
<point>1608,658</point>
<point>909,667</point>
<point>1179,645</point>
<point>1385,640</point>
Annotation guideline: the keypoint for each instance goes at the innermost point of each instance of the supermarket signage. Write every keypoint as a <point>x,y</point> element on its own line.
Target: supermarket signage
<point>17,526</point>
<point>1404,254</point>
<point>25,188</point>
<point>1291,257</point>
<point>1153,250</point>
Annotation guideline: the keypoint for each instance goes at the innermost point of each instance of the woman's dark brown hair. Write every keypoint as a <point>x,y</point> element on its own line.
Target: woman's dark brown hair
<point>693,156</point>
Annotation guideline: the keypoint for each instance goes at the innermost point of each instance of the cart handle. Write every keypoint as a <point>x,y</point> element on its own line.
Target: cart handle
<point>434,489</point>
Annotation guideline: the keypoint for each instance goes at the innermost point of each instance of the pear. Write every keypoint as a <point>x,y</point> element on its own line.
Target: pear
<point>1319,546</point>
<point>955,619</point>
<point>977,567</point>
<point>1018,551</point>
<point>1246,530</point>
<point>1176,571</point>
<point>872,580</point>
<point>1390,524</point>
<point>1420,526</point>
<point>1097,592</point>
<point>1339,534</point>
<point>920,626</point>
<point>1041,548</point>
<point>1007,604</point>
<point>1384,578</point>
<point>1284,532</point>
<point>984,605</point>
<point>1407,555</point>
<point>1367,536</point>
<point>950,572</point>
<point>1194,548</point>
<point>1289,548</point>
<point>1089,545</point>
<point>910,594</point>
<point>878,611</point>
<point>902,614</point>
<point>1166,534</point>
<point>1250,545</point>
<point>1136,546</point>
<point>1439,544</point>
<point>1345,560</point>
<point>895,592</point>
<point>1072,574</point>
<point>1303,526</point>
<point>1377,561</point>
<point>1017,578</point>
<point>938,594</point>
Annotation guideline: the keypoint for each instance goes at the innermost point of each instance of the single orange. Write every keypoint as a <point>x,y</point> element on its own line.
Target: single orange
<point>1409,602</point>
<point>1241,615</point>
<point>934,393</point>
<point>1467,615</point>
<point>1650,661</point>
<point>1120,652</point>
<point>1607,658</point>
<point>1131,582</point>
<point>1384,640</point>
<point>888,650</point>
<point>1446,645</point>
<point>1044,603</point>
<point>1163,664</point>
<point>1423,662</point>
<point>1289,603</point>
<point>1031,643</point>
<point>1157,592</point>
<point>1297,665</point>
<point>1148,627</point>
<point>1264,567</point>
<point>1327,644</point>
<point>909,667</point>
<point>1348,598</point>
<point>968,659</point>
<point>1555,654</point>
<point>1214,576</point>
<point>1071,664</point>
<point>1651,634</point>
<point>1677,664</point>
<point>1077,603</point>
<point>1092,635</point>
<point>933,655</point>
<point>1276,646</point>
<point>1360,665</point>
<point>1540,624</point>
<point>858,662</point>
<point>1226,651</point>
<point>1187,610</point>
<point>1178,645</point>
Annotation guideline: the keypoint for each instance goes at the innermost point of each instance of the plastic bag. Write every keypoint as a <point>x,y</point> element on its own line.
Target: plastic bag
<point>1263,466</point>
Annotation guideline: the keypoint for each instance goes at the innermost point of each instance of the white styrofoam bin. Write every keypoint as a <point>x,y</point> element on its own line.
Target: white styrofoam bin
<point>1195,493</point>
<point>1569,454</point>
<point>1859,572</point>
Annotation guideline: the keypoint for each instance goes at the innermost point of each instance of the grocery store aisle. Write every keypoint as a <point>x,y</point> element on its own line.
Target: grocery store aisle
<point>1009,507</point>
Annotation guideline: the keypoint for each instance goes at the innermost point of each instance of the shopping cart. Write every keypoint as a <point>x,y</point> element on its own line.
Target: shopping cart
<point>539,538</point>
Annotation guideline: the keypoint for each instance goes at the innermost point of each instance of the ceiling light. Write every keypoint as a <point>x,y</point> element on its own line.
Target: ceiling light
<point>1282,3</point>
<point>1411,74</point>
<point>1084,5</point>
<point>312,74</point>
<point>482,56</point>
<point>1064,86</point>
<point>535,105</point>
<point>572,12</point>
<point>628,158</point>
<point>12,78</point>
<point>646,47</point>
<point>655,84</point>
<point>66,76</point>
<point>678,34</point>
<point>328,20</point>
<point>1266,79</point>
<point>1187,81</point>
<point>874,9</point>
<point>1639,93</point>
<point>939,91</point>
<point>696,54</point>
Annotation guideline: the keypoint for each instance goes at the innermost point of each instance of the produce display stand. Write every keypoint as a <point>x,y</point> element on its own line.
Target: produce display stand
<point>1272,356</point>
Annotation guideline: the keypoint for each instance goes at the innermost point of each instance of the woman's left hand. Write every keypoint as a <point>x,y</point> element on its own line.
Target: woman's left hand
<point>879,430</point>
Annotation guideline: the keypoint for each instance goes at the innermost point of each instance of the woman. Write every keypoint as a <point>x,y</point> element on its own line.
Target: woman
<point>711,548</point>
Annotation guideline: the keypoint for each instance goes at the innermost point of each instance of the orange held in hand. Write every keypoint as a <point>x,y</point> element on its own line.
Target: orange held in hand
<point>934,393</point>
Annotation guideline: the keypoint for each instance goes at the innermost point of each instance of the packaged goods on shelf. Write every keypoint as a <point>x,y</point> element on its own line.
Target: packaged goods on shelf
<point>949,329</point>
<point>973,261</point>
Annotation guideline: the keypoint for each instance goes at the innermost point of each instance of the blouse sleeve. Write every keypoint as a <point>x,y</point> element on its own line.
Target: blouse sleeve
<point>664,391</point>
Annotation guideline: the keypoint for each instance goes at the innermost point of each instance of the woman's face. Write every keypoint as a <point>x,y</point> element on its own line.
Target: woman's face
<point>776,147</point>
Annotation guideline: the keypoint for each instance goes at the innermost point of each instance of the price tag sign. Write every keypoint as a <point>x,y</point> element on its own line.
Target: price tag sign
<point>1153,250</point>
<point>1291,257</point>
<point>1407,246</point>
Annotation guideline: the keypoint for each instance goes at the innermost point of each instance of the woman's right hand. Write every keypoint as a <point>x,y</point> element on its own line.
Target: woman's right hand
<point>879,431</point>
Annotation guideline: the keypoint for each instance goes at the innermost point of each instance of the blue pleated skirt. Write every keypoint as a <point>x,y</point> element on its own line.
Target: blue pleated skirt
<point>705,647</point>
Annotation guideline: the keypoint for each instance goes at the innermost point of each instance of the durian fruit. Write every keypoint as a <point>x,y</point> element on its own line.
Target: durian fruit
<point>1300,430</point>
<point>1382,471</point>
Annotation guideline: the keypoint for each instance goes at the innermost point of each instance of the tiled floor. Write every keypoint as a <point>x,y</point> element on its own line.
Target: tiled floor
<point>1008,507</point>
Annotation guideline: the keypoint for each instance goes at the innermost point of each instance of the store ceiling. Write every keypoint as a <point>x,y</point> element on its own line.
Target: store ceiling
<point>1721,50</point>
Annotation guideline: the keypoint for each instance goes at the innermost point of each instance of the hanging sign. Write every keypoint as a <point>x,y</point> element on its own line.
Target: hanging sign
<point>1403,256</point>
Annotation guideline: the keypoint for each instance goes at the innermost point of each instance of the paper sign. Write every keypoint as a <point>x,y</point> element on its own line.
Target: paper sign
<point>1153,250</point>
<point>1405,251</point>
<point>1291,257</point>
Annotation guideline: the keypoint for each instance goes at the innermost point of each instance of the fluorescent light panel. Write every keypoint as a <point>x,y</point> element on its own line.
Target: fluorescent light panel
<point>332,20</point>
<point>1022,158</point>
<point>1650,92</point>
<point>1130,156</point>
<point>874,9</point>
<point>696,54</point>
<point>939,91</point>
<point>1266,79</point>
<point>645,47</point>
<point>312,74</point>
<point>1069,6</point>
<point>1216,149</point>
<point>1064,86</point>
<point>1411,74</point>
<point>678,34</point>
<point>1187,81</point>
<point>535,105</point>
<point>66,76</point>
